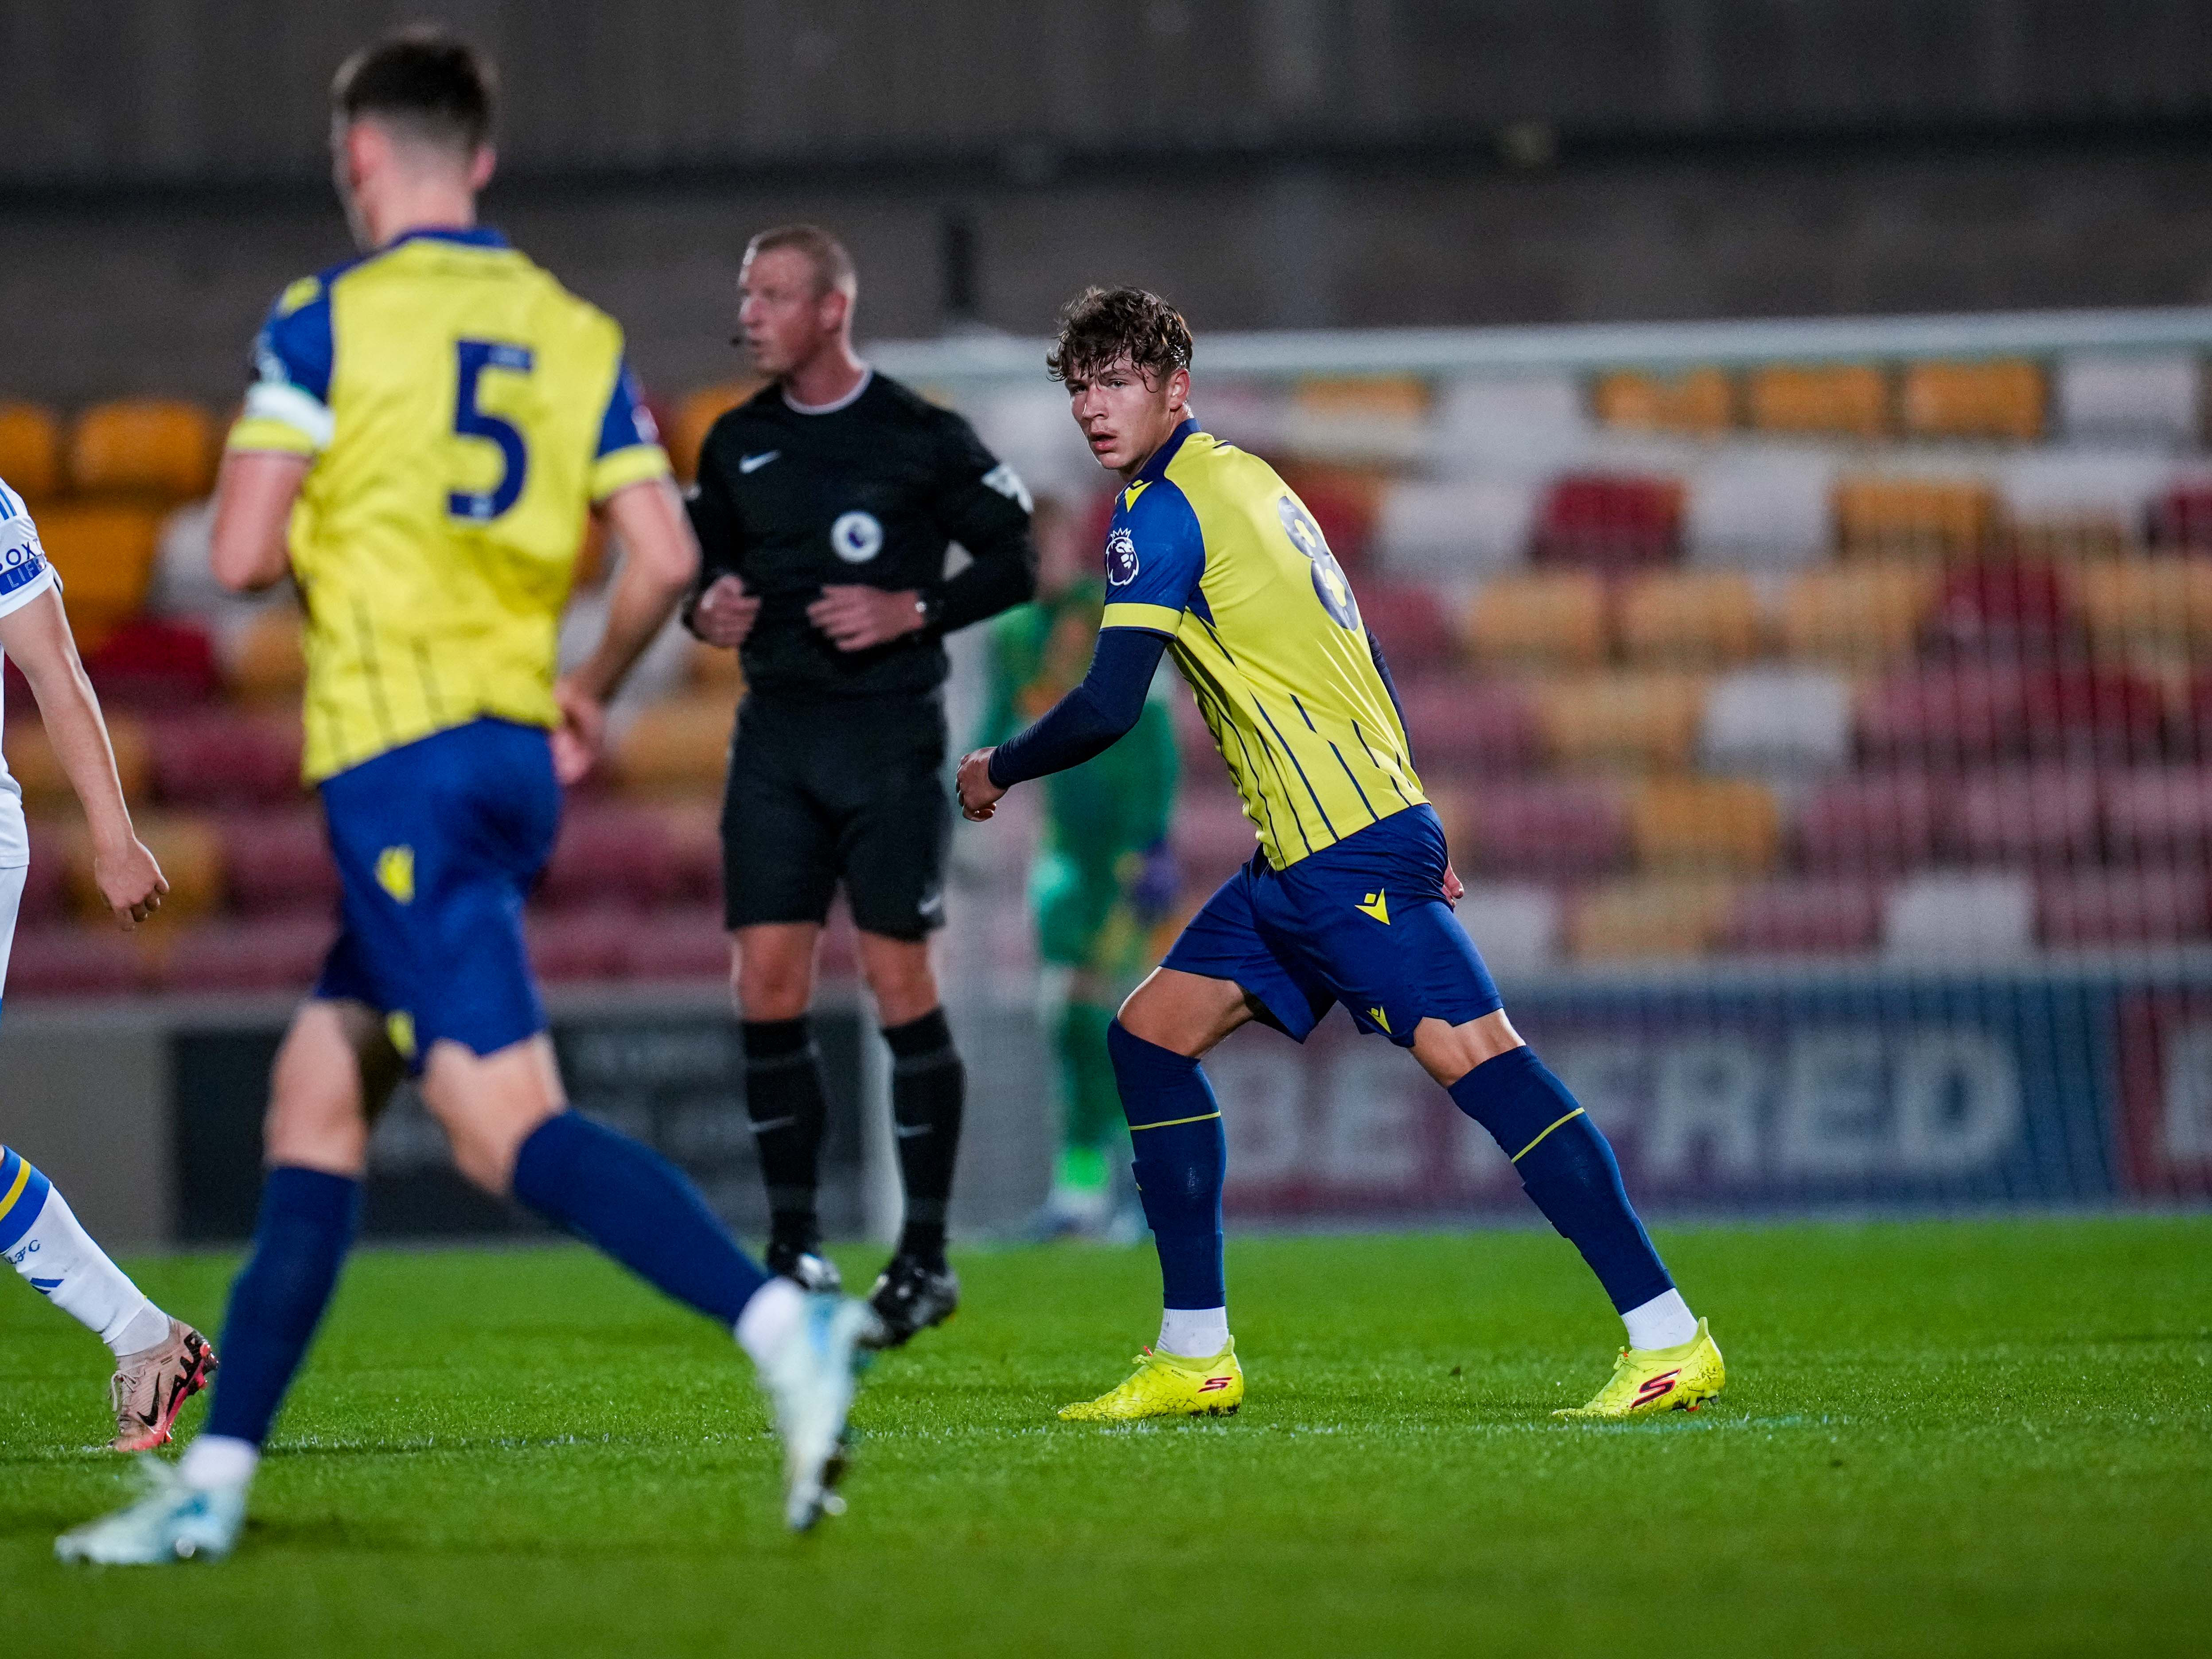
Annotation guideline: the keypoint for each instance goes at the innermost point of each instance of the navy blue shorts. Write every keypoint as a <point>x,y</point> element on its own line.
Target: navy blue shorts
<point>438,843</point>
<point>1363,922</point>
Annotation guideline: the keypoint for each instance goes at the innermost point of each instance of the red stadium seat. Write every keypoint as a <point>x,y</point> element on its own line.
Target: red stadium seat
<point>2183,517</point>
<point>1947,716</point>
<point>1610,523</point>
<point>2044,814</point>
<point>1793,918</point>
<point>278,860</point>
<point>222,758</point>
<point>1412,624</point>
<point>610,852</point>
<point>679,945</point>
<point>2106,713</point>
<point>46,882</point>
<point>1469,725</point>
<point>580,944</point>
<point>69,961</point>
<point>1872,823</point>
<point>266,953</point>
<point>1560,827</point>
<point>2008,609</point>
<point>149,663</point>
<point>2151,906</point>
<point>2153,814</point>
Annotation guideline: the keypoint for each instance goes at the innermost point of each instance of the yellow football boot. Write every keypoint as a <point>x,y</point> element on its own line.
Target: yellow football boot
<point>1645,1380</point>
<point>1168,1385</point>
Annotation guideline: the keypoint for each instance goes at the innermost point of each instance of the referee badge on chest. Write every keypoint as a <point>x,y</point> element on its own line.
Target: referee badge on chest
<point>856,537</point>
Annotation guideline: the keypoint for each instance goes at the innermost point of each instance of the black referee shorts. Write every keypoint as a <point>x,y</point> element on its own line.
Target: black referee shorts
<point>848,790</point>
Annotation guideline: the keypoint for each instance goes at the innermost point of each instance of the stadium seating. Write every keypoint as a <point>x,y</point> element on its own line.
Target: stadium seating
<point>105,555</point>
<point>2001,399</point>
<point>694,416</point>
<point>1639,919</point>
<point>31,452</point>
<point>1684,619</point>
<point>1555,620</point>
<point>1732,824</point>
<point>1804,661</point>
<point>1851,401</point>
<point>1700,402</point>
<point>1882,517</point>
<point>157,447</point>
<point>1609,523</point>
<point>1643,721</point>
<point>1861,616</point>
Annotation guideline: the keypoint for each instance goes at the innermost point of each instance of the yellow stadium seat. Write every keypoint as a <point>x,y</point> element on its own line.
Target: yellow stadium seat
<point>1919,518</point>
<point>267,661</point>
<point>2001,399</point>
<point>30,451</point>
<point>711,667</point>
<point>1549,621</point>
<point>1648,721</point>
<point>1851,399</point>
<point>104,555</point>
<point>1690,619</point>
<point>2145,608</point>
<point>31,758</point>
<point>156,446</point>
<point>1705,824</point>
<point>1867,615</point>
<point>1640,920</point>
<point>676,747</point>
<point>1398,397</point>
<point>188,848</point>
<point>1702,401</point>
<point>694,415</point>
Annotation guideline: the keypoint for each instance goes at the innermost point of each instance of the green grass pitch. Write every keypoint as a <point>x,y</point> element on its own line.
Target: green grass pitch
<point>1993,1436</point>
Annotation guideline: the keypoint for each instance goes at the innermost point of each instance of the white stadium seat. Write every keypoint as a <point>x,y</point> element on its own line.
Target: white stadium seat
<point>1761,509</point>
<point>1954,917</point>
<point>2151,397</point>
<point>1760,718</point>
<point>1445,531</point>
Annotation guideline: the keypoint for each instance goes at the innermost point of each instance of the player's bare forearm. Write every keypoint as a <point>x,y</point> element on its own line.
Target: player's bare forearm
<point>661,557</point>
<point>254,495</point>
<point>37,639</point>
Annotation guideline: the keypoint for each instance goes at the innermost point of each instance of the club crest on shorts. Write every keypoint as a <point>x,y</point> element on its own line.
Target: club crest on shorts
<point>1121,557</point>
<point>856,537</point>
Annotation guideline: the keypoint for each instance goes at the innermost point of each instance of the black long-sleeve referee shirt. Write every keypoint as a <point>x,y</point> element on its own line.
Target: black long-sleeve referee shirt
<point>873,491</point>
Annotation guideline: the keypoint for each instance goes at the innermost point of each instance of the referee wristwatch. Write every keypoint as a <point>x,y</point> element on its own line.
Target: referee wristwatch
<point>927,608</point>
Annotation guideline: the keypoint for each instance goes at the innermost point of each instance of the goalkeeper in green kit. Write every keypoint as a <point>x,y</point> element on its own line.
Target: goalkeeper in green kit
<point>1104,877</point>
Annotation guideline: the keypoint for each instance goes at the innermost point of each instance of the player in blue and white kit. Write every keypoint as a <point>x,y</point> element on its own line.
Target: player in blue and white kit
<point>160,1362</point>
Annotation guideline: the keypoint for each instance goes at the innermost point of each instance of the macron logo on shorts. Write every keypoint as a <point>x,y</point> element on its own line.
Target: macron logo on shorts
<point>1377,905</point>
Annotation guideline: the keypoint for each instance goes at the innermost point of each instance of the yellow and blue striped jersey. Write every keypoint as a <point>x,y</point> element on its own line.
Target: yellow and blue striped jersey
<point>1211,548</point>
<point>463,412</point>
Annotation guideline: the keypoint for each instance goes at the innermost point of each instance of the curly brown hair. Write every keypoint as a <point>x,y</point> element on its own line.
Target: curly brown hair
<point>1102,325</point>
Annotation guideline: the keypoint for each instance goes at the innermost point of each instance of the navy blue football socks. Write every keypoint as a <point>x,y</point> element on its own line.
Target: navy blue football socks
<point>1174,1128</point>
<point>635,1206</point>
<point>306,1226</point>
<point>1567,1169</point>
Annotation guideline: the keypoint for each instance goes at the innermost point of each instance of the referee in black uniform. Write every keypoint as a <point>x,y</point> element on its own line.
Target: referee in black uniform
<point>824,508</point>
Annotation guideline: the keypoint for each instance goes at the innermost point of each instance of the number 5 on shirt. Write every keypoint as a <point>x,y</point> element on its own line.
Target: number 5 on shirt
<point>470,422</point>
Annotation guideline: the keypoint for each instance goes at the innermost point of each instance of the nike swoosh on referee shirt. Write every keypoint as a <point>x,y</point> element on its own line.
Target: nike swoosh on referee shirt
<point>755,463</point>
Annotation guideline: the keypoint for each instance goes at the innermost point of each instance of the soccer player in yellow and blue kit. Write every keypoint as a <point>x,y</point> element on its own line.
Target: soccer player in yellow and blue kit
<point>1348,898</point>
<point>430,426</point>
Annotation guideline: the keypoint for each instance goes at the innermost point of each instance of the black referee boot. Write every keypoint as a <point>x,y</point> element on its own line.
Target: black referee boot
<point>803,1267</point>
<point>912,1294</point>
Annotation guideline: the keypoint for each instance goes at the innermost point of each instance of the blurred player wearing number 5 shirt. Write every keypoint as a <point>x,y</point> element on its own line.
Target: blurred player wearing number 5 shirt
<point>1348,898</point>
<point>430,426</point>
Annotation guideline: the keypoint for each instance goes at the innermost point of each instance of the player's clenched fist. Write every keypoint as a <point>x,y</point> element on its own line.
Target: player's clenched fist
<point>129,880</point>
<point>726,613</point>
<point>979,796</point>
